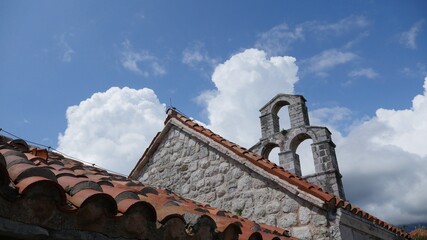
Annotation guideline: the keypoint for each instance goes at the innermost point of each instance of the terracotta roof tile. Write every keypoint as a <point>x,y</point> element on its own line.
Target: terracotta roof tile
<point>275,170</point>
<point>95,197</point>
<point>419,232</point>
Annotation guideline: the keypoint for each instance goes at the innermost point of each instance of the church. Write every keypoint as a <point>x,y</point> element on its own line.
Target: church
<point>199,164</point>
<point>189,184</point>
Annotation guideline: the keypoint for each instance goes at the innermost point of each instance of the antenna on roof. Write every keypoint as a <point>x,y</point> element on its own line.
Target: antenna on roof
<point>170,105</point>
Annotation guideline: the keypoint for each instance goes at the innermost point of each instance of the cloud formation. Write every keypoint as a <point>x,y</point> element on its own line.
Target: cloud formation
<point>328,59</point>
<point>364,72</point>
<point>140,62</point>
<point>382,159</point>
<point>67,51</point>
<point>198,58</point>
<point>197,54</point>
<point>409,38</point>
<point>279,39</point>
<point>342,26</point>
<point>113,128</point>
<point>244,83</point>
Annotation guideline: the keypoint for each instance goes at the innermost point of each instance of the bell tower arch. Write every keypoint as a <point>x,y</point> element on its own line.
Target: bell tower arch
<point>327,174</point>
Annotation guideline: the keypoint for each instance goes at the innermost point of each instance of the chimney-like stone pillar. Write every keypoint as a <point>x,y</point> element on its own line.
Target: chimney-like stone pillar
<point>298,114</point>
<point>269,125</point>
<point>324,156</point>
<point>289,160</point>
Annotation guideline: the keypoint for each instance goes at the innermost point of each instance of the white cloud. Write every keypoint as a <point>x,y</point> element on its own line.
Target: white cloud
<point>335,117</point>
<point>327,60</point>
<point>113,128</point>
<point>280,38</point>
<point>67,51</point>
<point>409,38</point>
<point>197,57</point>
<point>383,159</point>
<point>244,83</point>
<point>416,71</point>
<point>344,25</point>
<point>140,62</point>
<point>364,72</point>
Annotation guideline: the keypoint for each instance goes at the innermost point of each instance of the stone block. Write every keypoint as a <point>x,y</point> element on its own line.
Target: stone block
<point>237,173</point>
<point>204,163</point>
<point>244,183</point>
<point>259,213</point>
<point>304,215</point>
<point>211,171</point>
<point>273,207</point>
<point>224,167</point>
<point>290,205</point>
<point>287,220</point>
<point>319,220</point>
<point>302,233</point>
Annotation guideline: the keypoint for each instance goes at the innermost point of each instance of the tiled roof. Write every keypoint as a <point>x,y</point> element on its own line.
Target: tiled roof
<point>421,233</point>
<point>44,188</point>
<point>283,174</point>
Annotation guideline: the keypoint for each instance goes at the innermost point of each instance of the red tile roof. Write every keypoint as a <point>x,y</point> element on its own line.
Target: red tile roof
<point>421,233</point>
<point>91,199</point>
<point>283,174</point>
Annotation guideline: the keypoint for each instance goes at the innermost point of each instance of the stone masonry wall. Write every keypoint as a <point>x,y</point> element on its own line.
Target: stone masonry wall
<point>195,170</point>
<point>352,227</point>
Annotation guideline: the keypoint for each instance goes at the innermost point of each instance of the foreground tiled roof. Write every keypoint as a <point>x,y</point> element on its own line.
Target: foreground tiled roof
<point>283,174</point>
<point>44,188</point>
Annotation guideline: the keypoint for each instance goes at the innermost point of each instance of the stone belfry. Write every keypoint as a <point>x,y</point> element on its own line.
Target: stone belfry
<point>327,174</point>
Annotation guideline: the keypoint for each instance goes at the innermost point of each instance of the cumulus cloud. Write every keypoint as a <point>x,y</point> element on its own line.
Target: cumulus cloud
<point>140,62</point>
<point>327,60</point>
<point>113,128</point>
<point>382,158</point>
<point>364,72</point>
<point>244,83</point>
<point>409,38</point>
<point>383,161</point>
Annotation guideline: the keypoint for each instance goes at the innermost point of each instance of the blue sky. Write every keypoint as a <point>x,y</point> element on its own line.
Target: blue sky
<point>359,64</point>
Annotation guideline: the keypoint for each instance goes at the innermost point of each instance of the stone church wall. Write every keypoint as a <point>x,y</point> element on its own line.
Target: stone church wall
<point>352,227</point>
<point>196,170</point>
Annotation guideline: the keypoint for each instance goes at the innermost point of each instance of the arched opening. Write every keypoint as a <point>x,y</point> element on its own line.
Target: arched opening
<point>306,157</point>
<point>271,152</point>
<point>284,120</point>
<point>281,112</point>
<point>274,155</point>
<point>301,145</point>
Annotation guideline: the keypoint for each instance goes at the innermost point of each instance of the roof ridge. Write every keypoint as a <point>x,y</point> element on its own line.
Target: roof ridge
<point>282,173</point>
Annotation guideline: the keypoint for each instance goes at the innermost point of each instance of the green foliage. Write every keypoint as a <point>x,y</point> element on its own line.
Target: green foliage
<point>239,211</point>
